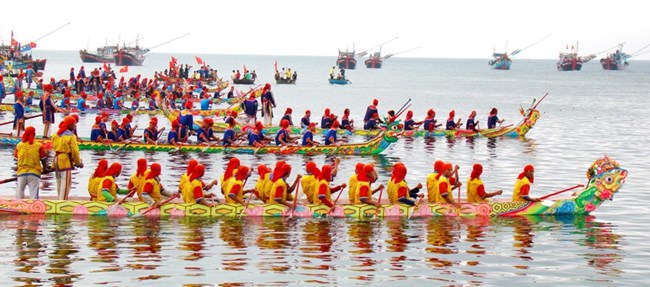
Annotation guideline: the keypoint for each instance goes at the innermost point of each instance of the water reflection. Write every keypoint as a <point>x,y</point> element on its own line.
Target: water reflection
<point>442,233</point>
<point>61,252</point>
<point>232,232</point>
<point>274,242</point>
<point>146,243</point>
<point>362,236</point>
<point>192,238</point>
<point>29,248</point>
<point>317,244</point>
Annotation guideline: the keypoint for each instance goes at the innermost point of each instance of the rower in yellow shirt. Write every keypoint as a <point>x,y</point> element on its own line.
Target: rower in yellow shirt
<point>475,189</point>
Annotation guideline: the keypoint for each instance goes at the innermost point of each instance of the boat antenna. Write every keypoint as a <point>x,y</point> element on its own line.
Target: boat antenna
<point>57,29</point>
<point>181,36</point>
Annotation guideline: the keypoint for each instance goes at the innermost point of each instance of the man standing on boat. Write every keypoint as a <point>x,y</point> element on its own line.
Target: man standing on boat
<point>31,157</point>
<point>268,103</point>
<point>66,157</point>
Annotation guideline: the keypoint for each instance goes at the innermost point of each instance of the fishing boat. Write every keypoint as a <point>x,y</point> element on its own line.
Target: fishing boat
<point>346,60</point>
<point>374,61</point>
<point>283,81</point>
<point>135,55</point>
<point>243,81</point>
<point>616,61</point>
<point>373,147</point>
<point>502,61</point>
<point>570,61</point>
<point>339,81</point>
<point>605,179</point>
<point>103,55</point>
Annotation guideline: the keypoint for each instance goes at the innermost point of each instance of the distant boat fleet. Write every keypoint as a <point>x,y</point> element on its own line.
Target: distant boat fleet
<point>125,56</point>
<point>346,59</point>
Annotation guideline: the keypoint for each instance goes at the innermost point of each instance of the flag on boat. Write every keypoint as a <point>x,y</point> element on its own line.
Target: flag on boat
<point>276,65</point>
<point>14,43</point>
<point>245,69</point>
<point>124,69</point>
<point>198,60</point>
<point>105,67</point>
<point>173,60</point>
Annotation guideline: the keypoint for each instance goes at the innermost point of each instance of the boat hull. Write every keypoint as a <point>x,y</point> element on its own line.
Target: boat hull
<point>281,81</point>
<point>373,63</point>
<point>127,59</point>
<point>87,57</point>
<point>243,81</point>
<point>346,62</point>
<point>339,81</point>
<point>502,65</point>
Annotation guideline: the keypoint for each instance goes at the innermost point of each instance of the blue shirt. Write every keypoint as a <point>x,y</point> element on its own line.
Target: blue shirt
<point>81,104</point>
<point>304,122</point>
<point>172,135</point>
<point>492,121</point>
<point>451,125</point>
<point>250,107</point>
<point>253,137</point>
<point>429,124</point>
<point>116,104</point>
<point>282,134</point>
<point>95,133</point>
<point>370,125</point>
<point>306,137</point>
<point>409,125</point>
<point>20,113</point>
<point>152,135</point>
<point>326,122</point>
<point>228,135</point>
<point>330,133</point>
<point>135,105</point>
<point>369,112</point>
<point>205,104</point>
<point>470,125</point>
<point>113,136</point>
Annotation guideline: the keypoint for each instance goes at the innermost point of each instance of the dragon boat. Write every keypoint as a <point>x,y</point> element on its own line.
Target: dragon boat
<point>605,178</point>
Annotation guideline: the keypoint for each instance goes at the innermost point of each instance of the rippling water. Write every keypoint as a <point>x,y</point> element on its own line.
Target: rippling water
<point>586,115</point>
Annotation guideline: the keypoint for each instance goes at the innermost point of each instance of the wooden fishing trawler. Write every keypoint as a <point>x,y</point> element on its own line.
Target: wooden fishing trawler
<point>616,61</point>
<point>502,61</point>
<point>570,61</point>
<point>605,179</point>
<point>103,55</point>
<point>346,60</point>
<point>135,55</point>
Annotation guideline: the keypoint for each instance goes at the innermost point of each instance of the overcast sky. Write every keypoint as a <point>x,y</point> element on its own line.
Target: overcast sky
<point>442,29</point>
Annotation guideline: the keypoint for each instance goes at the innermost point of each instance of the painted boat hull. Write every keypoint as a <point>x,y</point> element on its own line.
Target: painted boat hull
<point>373,63</point>
<point>281,81</point>
<point>243,81</point>
<point>346,62</point>
<point>88,57</point>
<point>502,65</point>
<point>127,59</point>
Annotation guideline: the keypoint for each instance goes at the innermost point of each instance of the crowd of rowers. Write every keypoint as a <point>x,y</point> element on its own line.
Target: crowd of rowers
<point>272,186</point>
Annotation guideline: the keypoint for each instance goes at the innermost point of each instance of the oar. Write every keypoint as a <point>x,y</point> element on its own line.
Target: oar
<point>247,201</point>
<point>26,118</point>
<point>561,191</point>
<point>417,204</point>
<point>8,180</point>
<point>295,199</point>
<point>334,204</point>
<point>154,206</point>
<point>381,191</point>
<point>404,106</point>
<point>130,141</point>
<point>206,147</point>
<point>113,208</point>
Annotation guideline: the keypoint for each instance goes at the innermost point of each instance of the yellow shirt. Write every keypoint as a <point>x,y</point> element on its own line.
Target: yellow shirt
<point>260,186</point>
<point>353,195</point>
<point>516,195</point>
<point>308,183</point>
<point>188,192</point>
<point>432,187</point>
<point>391,190</point>
<point>93,182</point>
<point>155,194</point>
<point>268,186</point>
<point>138,182</point>
<point>182,187</point>
<point>278,183</point>
<point>472,191</point>
<point>357,197</point>
<point>438,198</point>
<point>29,158</point>
<point>67,151</point>
<point>112,190</point>
<point>328,194</point>
<point>240,194</point>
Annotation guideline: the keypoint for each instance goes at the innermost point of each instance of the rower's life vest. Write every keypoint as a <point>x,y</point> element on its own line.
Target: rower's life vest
<point>240,194</point>
<point>328,193</point>
<point>29,158</point>
<point>391,191</point>
<point>402,184</point>
<point>188,192</point>
<point>112,190</point>
<point>438,196</point>
<point>155,193</point>
<point>268,186</point>
<point>516,195</point>
<point>472,191</point>
<point>308,183</point>
<point>260,186</point>
<point>93,183</point>
<point>67,151</point>
<point>278,183</point>
<point>352,192</point>
<point>357,192</point>
<point>432,187</point>
<point>182,183</point>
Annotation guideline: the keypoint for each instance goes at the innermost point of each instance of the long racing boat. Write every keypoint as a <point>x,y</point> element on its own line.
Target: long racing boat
<point>605,178</point>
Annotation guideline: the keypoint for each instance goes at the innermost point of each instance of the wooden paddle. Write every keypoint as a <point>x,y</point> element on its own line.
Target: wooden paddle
<point>154,206</point>
<point>26,118</point>
<point>295,200</point>
<point>414,207</point>
<point>247,201</point>
<point>381,191</point>
<point>561,191</point>
<point>6,180</point>
<point>334,204</point>
<point>113,208</point>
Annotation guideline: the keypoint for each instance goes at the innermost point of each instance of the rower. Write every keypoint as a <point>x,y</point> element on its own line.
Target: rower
<point>100,101</point>
<point>194,190</point>
<point>256,136</point>
<point>475,189</point>
<point>346,122</point>
<point>124,129</point>
<point>446,184</point>
<point>326,120</point>
<point>152,189</point>
<point>138,177</point>
<point>262,182</point>
<point>304,121</point>
<point>353,181</point>
<point>451,124</point>
<point>150,134</point>
<point>19,113</point>
<point>205,133</point>
<point>228,175</point>
<point>372,123</point>
<point>308,137</point>
<point>399,189</point>
<point>363,192</point>
<point>409,123</point>
<point>206,104</point>
<point>107,189</point>
<point>96,177</point>
<point>173,135</point>
<point>67,157</point>
<point>279,189</point>
<point>323,192</point>
<point>370,111</point>
<point>493,119</point>
<point>184,180</point>
<point>96,134</point>
<point>522,185</point>
<point>430,123</point>
<point>309,180</point>
<point>229,134</point>
<point>31,159</point>
<point>81,102</point>
<point>114,134</point>
<point>471,124</point>
<point>102,124</point>
<point>287,116</point>
<point>236,189</point>
<point>282,138</point>
<point>186,119</point>
<point>432,180</point>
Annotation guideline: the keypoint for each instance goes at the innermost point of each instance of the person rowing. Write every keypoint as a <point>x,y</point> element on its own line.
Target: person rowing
<point>107,188</point>
<point>194,190</point>
<point>371,110</point>
<point>236,189</point>
<point>472,124</point>
<point>138,178</point>
<point>372,123</point>
<point>409,123</point>
<point>475,189</point>
<point>229,174</point>
<point>130,130</point>
<point>330,136</point>
<point>522,185</point>
<point>96,134</point>
<point>363,190</point>
<point>346,122</point>
<point>262,185</point>
<point>205,134</point>
<point>279,189</point>
<point>152,189</point>
<point>186,119</point>
<point>282,138</point>
<point>309,180</point>
<point>229,135</point>
<point>430,123</point>
<point>432,181</point>
<point>81,102</point>
<point>398,191</point>
<point>308,137</point>
<point>326,119</point>
<point>256,136</point>
<point>323,192</point>
<point>451,123</point>
<point>493,119</point>
<point>446,184</point>
<point>305,121</point>
<point>287,116</point>
<point>95,179</point>
<point>150,134</point>
<point>114,134</point>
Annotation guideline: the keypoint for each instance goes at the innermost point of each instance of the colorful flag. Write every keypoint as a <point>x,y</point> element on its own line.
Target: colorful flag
<point>198,60</point>
<point>173,60</point>
<point>13,41</point>
<point>105,67</point>
<point>124,69</point>
<point>245,69</point>
<point>276,65</point>
<point>32,44</point>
